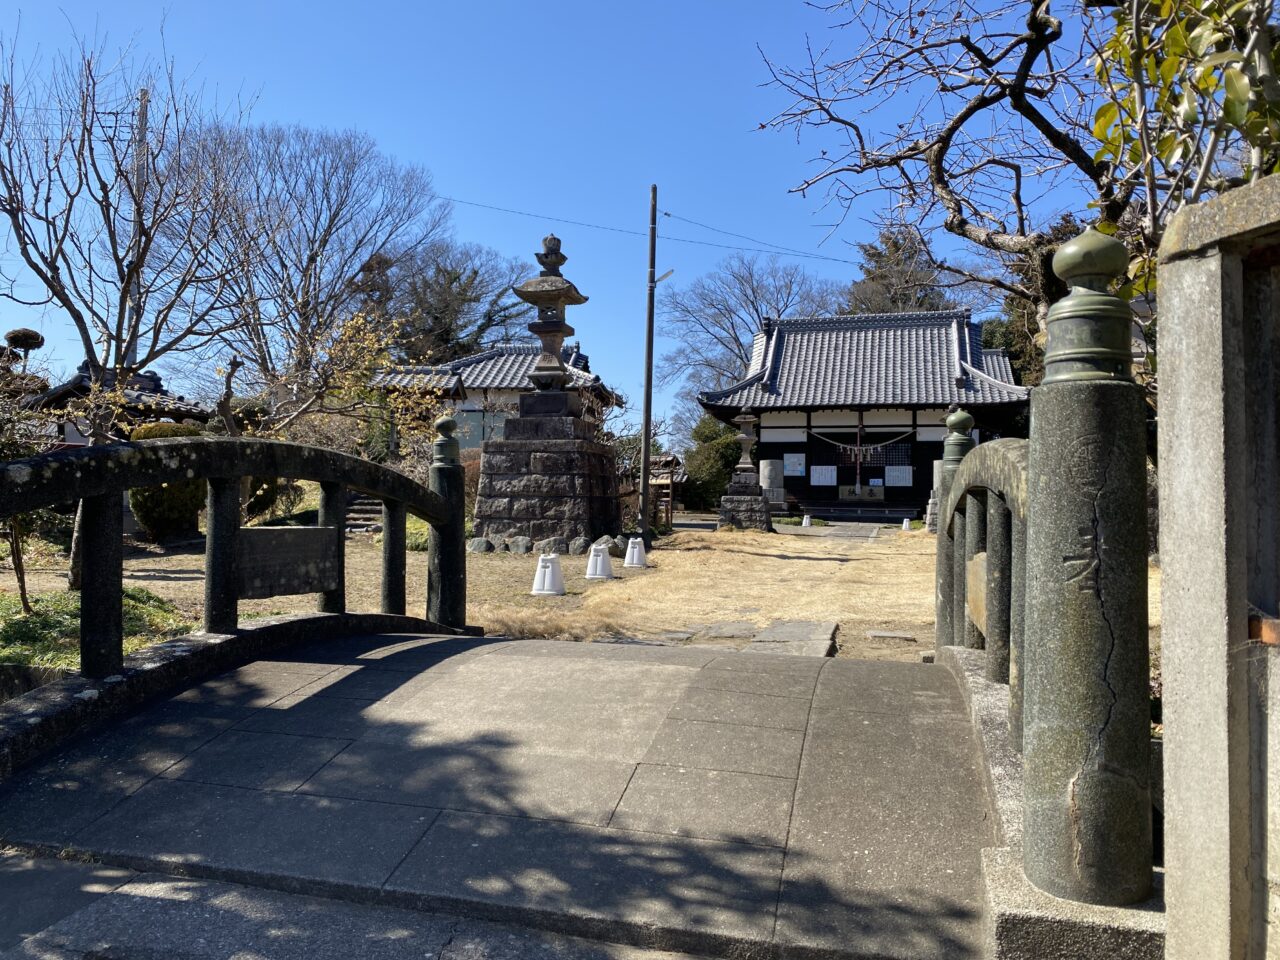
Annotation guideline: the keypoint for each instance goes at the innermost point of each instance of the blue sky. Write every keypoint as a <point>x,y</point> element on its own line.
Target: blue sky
<point>566,110</point>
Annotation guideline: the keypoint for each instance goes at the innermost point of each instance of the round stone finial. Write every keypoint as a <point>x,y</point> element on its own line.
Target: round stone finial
<point>1091,255</point>
<point>960,422</point>
<point>445,426</point>
<point>551,259</point>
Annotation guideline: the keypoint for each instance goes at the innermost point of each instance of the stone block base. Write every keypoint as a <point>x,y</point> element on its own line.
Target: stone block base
<point>1022,922</point>
<point>1025,923</point>
<point>547,478</point>
<point>745,513</point>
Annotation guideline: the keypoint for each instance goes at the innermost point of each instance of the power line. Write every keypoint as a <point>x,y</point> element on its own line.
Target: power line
<point>742,236</point>
<point>771,249</point>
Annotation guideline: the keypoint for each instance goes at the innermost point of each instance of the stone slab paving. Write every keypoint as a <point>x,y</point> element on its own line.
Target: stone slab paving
<point>36,893</point>
<point>805,638</point>
<point>153,917</point>
<point>690,799</point>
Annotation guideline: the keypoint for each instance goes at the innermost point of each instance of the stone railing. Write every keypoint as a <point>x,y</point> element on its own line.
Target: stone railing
<point>1042,562</point>
<point>246,562</point>
<point>982,557</point>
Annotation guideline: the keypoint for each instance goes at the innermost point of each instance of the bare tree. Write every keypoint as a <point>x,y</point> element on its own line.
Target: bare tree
<point>1003,120</point>
<point>715,319</point>
<point>316,208</point>
<point>117,205</point>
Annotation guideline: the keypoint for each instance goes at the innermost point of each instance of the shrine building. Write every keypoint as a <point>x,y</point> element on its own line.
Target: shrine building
<point>851,409</point>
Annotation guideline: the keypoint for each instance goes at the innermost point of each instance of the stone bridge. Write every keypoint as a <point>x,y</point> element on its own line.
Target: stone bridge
<point>390,786</point>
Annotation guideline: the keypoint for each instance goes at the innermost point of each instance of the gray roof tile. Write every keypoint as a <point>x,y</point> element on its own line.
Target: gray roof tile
<point>505,366</point>
<point>874,360</point>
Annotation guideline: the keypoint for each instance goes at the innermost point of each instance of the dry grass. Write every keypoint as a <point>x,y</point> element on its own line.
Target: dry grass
<point>696,578</point>
<point>699,578</point>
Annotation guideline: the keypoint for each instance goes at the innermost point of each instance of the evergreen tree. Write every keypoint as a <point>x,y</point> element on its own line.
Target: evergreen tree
<point>710,463</point>
<point>898,275</point>
<point>455,299</point>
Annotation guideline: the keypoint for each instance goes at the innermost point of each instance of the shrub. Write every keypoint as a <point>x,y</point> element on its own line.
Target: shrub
<point>272,497</point>
<point>263,493</point>
<point>170,510</point>
<point>415,534</point>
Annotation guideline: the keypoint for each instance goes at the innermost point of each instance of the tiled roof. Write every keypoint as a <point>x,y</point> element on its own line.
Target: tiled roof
<point>143,393</point>
<point>419,378</point>
<point>505,366</point>
<point>872,360</point>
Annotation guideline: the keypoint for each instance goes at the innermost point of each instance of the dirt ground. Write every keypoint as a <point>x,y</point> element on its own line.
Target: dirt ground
<point>696,578</point>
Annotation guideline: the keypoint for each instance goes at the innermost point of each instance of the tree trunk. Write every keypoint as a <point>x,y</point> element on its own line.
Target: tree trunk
<point>77,551</point>
<point>19,569</point>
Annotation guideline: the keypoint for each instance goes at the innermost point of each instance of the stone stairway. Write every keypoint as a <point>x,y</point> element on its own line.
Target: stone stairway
<point>364,514</point>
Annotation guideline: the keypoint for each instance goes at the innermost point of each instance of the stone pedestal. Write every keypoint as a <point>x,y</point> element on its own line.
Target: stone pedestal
<point>547,477</point>
<point>744,505</point>
<point>745,513</point>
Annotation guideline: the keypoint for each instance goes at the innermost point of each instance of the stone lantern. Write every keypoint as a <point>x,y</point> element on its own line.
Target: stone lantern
<point>744,505</point>
<point>549,478</point>
<point>550,293</point>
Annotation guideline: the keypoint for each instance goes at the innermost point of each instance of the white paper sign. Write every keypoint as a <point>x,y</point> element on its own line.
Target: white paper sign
<point>897,476</point>
<point>822,476</point>
<point>793,464</point>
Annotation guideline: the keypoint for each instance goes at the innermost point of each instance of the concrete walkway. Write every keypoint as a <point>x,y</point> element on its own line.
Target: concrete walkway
<point>692,800</point>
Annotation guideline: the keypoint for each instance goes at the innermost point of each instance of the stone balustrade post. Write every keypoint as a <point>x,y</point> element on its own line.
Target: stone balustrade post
<point>394,523</point>
<point>959,573</point>
<point>957,443</point>
<point>102,586</point>
<point>222,528</point>
<point>999,581</point>
<point>446,545</point>
<point>1017,627</point>
<point>1086,734</point>
<point>975,542</point>
<point>333,513</point>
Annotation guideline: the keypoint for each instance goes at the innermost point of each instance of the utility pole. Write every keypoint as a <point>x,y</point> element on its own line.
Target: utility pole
<point>647,426</point>
<point>129,360</point>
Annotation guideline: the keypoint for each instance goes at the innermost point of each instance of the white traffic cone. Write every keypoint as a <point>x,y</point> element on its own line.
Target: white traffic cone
<point>599,566</point>
<point>906,524</point>
<point>807,521</point>
<point>635,553</point>
<point>555,576</point>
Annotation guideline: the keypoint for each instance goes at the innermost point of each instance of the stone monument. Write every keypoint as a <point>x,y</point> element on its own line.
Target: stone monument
<point>549,475</point>
<point>744,505</point>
